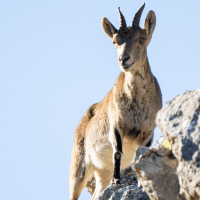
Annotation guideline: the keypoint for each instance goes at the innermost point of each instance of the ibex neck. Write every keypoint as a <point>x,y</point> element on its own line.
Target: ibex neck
<point>133,84</point>
<point>138,76</point>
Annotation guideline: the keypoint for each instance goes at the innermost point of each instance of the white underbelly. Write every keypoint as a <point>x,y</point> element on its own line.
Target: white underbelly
<point>101,156</point>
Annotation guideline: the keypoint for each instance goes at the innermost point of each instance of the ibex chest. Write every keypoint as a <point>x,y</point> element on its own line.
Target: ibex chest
<point>135,110</point>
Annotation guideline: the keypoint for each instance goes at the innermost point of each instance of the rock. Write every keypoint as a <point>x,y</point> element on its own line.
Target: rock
<point>179,121</point>
<point>127,190</point>
<point>156,173</point>
<point>127,178</point>
<point>121,192</point>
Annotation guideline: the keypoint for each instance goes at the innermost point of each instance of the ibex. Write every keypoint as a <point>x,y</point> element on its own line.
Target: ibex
<point>110,131</point>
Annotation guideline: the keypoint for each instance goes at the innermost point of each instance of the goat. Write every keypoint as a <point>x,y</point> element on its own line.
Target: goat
<point>108,134</point>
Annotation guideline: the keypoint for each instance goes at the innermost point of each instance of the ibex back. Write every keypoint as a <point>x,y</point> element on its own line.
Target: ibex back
<point>108,134</point>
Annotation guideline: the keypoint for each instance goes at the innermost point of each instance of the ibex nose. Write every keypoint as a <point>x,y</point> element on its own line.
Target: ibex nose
<point>124,58</point>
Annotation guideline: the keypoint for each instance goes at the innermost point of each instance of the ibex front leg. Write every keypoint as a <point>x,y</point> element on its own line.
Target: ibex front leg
<point>117,156</point>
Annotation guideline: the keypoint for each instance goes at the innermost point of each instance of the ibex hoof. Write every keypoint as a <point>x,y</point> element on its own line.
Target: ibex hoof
<point>115,181</point>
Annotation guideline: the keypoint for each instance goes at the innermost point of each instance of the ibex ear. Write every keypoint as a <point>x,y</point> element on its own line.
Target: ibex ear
<point>149,24</point>
<point>108,28</point>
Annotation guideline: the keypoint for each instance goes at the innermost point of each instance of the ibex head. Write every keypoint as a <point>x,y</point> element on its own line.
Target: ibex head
<point>131,42</point>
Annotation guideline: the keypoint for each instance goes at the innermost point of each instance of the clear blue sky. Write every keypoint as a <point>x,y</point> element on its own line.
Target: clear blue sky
<point>56,61</point>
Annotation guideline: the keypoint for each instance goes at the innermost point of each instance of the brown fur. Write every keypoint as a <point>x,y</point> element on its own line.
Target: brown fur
<point>130,107</point>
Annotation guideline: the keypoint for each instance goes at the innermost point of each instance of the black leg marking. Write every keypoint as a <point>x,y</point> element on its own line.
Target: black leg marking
<point>117,158</point>
<point>119,141</point>
<point>117,165</point>
<point>149,143</point>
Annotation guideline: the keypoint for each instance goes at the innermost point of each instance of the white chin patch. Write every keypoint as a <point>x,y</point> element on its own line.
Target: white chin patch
<point>122,69</point>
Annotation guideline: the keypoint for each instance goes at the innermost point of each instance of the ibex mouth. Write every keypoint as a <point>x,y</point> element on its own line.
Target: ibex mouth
<point>128,66</point>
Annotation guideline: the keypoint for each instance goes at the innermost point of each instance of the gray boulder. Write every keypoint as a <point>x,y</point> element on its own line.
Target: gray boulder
<point>179,121</point>
<point>156,172</point>
<point>128,189</point>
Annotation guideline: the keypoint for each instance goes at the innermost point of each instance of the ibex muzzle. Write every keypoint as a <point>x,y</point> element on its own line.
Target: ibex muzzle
<point>108,134</point>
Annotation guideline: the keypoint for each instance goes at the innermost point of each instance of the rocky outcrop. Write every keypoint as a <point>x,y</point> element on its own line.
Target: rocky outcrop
<point>128,189</point>
<point>179,121</point>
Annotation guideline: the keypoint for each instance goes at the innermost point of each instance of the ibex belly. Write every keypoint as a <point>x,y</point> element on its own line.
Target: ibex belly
<point>101,154</point>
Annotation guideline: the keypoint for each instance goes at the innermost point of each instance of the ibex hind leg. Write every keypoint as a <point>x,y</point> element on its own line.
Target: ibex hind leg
<point>79,179</point>
<point>103,178</point>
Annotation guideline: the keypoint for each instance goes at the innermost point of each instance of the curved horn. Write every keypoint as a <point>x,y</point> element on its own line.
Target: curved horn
<point>122,21</point>
<point>136,20</point>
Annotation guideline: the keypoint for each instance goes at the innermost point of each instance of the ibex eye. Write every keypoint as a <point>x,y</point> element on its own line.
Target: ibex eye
<point>142,40</point>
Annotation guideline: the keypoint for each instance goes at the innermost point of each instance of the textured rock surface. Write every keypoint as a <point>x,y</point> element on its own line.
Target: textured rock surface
<point>127,176</point>
<point>179,121</point>
<point>123,193</point>
<point>156,172</point>
<point>127,190</point>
